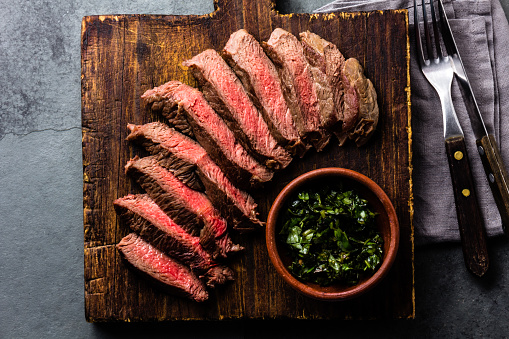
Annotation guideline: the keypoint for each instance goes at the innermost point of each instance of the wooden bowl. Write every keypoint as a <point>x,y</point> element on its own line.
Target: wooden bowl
<point>386,221</point>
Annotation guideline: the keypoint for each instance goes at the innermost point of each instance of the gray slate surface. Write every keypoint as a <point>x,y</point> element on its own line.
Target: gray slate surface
<point>41,240</point>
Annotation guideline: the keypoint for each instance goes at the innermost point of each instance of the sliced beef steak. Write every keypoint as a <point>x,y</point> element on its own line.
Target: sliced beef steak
<point>368,111</point>
<point>260,77</point>
<point>173,112</point>
<point>153,263</point>
<point>212,133</point>
<point>306,88</point>
<point>184,170</point>
<point>147,219</point>
<point>350,111</point>
<point>187,207</point>
<point>224,91</point>
<point>326,56</point>
<point>350,108</point>
<point>237,206</point>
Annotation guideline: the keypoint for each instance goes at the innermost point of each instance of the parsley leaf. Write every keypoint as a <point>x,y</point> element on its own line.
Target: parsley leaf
<point>331,236</point>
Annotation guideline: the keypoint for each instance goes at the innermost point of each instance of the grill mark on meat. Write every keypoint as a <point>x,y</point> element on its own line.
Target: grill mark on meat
<point>162,269</point>
<point>238,206</point>
<point>187,207</point>
<point>212,133</point>
<point>367,102</point>
<point>305,87</point>
<point>326,56</point>
<point>147,219</point>
<point>224,91</point>
<point>260,78</point>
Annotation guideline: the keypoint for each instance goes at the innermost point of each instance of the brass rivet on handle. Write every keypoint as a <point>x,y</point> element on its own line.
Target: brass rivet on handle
<point>466,192</point>
<point>458,155</point>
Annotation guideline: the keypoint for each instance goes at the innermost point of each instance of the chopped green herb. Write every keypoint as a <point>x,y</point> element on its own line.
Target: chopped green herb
<point>331,236</point>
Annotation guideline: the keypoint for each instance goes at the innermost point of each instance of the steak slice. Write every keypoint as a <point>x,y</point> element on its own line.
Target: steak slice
<point>187,207</point>
<point>368,111</point>
<point>326,56</point>
<point>159,267</point>
<point>184,170</point>
<point>350,108</point>
<point>161,140</point>
<point>147,219</point>
<point>224,91</point>
<point>305,87</point>
<point>175,115</point>
<point>211,132</point>
<point>260,78</point>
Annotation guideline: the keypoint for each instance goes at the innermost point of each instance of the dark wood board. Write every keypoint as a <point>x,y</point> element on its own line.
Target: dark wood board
<point>124,55</point>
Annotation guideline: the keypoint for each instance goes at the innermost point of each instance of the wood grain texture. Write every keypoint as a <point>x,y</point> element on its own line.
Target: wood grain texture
<point>470,221</point>
<point>123,56</point>
<point>497,176</point>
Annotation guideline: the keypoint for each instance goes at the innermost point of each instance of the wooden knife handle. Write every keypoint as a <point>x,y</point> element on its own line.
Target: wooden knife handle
<point>497,176</point>
<point>470,222</point>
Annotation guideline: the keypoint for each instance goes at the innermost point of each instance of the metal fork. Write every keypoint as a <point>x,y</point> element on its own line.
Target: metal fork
<point>438,69</point>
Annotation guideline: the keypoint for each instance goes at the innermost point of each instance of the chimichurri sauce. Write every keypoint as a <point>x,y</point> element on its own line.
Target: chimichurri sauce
<point>331,236</point>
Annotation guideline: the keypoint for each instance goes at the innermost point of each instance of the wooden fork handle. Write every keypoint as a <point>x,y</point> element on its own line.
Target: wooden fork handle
<point>497,176</point>
<point>470,222</point>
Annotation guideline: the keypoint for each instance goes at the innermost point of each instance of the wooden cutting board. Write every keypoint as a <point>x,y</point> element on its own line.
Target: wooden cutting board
<point>124,55</point>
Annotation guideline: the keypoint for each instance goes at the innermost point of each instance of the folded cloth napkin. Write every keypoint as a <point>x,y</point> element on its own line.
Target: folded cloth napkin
<point>481,32</point>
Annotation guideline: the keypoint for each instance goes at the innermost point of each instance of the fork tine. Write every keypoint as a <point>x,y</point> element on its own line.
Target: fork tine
<point>435,29</point>
<point>447,37</point>
<point>418,40</point>
<point>427,34</point>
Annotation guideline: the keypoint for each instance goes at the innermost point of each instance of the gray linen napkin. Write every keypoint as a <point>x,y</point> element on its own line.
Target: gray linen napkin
<point>482,34</point>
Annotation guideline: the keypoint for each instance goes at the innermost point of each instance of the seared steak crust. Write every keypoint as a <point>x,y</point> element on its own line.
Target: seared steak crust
<point>350,108</point>
<point>260,78</point>
<point>327,57</point>
<point>305,87</point>
<point>170,109</point>
<point>184,170</point>
<point>212,133</point>
<point>159,267</point>
<point>145,218</point>
<point>187,207</point>
<point>224,91</point>
<point>236,205</point>
<point>367,102</point>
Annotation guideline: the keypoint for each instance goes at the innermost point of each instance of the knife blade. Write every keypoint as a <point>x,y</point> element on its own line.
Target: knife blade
<point>487,147</point>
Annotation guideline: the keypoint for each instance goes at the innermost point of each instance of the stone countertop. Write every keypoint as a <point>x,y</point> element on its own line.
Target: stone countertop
<point>41,233</point>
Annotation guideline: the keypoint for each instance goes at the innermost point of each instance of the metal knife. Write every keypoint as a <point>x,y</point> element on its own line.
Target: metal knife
<point>487,148</point>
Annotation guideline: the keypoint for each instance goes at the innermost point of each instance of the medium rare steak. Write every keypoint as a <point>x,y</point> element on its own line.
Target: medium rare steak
<point>327,57</point>
<point>305,87</point>
<point>224,91</point>
<point>159,139</point>
<point>260,77</point>
<point>350,108</point>
<point>184,170</point>
<point>211,132</point>
<point>175,115</point>
<point>367,102</point>
<point>171,274</point>
<point>187,207</point>
<point>145,218</point>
